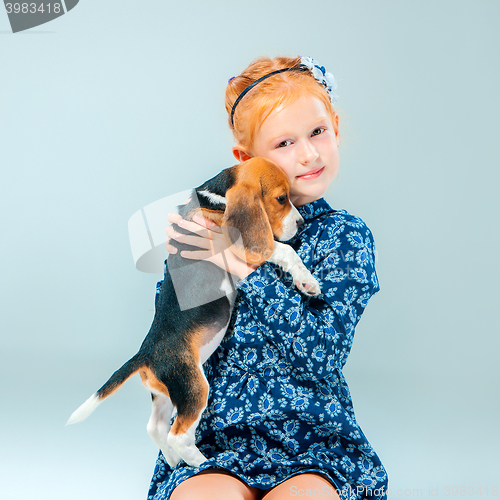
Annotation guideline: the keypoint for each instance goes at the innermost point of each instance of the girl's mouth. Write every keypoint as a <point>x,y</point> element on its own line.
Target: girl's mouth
<point>311,175</point>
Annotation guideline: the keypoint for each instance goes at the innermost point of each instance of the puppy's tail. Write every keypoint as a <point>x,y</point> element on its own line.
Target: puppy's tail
<point>131,367</point>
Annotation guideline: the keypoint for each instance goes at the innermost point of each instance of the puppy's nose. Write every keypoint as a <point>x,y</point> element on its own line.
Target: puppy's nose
<point>300,222</point>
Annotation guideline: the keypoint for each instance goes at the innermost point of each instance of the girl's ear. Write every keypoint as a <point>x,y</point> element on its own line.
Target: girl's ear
<point>240,154</point>
<point>336,127</point>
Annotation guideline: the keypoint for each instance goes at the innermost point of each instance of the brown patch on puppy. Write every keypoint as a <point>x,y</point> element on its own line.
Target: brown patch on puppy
<point>151,382</point>
<point>213,215</point>
<point>246,226</point>
<point>256,207</point>
<point>198,401</point>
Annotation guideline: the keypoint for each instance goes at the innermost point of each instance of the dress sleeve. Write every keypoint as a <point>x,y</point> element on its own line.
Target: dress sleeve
<point>315,334</point>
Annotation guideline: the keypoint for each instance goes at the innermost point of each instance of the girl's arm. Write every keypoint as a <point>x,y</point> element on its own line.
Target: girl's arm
<point>315,334</point>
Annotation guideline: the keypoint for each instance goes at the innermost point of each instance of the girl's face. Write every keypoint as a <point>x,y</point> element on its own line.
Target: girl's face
<point>301,140</point>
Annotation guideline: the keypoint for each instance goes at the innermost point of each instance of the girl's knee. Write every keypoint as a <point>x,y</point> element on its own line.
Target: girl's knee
<point>211,485</point>
<point>303,485</point>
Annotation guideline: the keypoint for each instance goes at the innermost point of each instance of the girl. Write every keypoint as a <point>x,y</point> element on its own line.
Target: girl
<point>279,421</point>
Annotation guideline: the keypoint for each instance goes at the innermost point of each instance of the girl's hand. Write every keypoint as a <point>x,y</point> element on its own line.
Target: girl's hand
<point>209,237</point>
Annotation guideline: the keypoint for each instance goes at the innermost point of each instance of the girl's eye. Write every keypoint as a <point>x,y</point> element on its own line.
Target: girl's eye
<point>282,144</point>
<point>318,131</point>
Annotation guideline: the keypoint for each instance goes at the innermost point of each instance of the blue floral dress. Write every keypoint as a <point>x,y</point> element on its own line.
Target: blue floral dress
<point>279,404</point>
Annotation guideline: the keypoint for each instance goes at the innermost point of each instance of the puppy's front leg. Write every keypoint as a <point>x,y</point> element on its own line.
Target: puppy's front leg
<point>286,257</point>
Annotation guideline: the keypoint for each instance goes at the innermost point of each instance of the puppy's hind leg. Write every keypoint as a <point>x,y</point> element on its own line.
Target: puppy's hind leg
<point>159,422</point>
<point>159,426</point>
<point>182,434</point>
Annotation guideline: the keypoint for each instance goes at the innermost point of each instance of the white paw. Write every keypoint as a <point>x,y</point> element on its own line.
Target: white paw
<point>171,456</point>
<point>195,457</point>
<point>187,452</point>
<point>306,283</point>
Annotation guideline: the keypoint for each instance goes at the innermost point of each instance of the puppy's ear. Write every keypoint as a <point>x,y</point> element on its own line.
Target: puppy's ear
<point>246,225</point>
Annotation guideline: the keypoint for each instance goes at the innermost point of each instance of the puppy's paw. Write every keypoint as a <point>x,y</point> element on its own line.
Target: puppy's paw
<point>311,289</point>
<point>171,456</point>
<point>195,457</point>
<point>307,283</point>
<point>184,448</point>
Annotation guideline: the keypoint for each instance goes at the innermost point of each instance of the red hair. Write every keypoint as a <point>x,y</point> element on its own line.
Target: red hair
<point>278,90</point>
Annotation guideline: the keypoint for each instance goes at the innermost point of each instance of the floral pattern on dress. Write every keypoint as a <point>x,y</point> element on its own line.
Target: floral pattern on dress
<point>279,404</point>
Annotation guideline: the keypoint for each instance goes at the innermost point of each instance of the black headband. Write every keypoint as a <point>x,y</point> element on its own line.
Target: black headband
<point>240,97</point>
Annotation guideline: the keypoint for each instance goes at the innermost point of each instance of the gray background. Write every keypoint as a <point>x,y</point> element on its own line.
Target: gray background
<point>120,103</point>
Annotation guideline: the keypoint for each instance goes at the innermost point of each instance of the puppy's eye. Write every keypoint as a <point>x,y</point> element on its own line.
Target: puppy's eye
<point>281,199</point>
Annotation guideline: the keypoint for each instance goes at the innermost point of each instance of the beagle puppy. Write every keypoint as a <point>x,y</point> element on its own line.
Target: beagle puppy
<point>251,203</point>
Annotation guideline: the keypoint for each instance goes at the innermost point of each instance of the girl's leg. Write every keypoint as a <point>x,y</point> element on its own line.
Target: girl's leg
<point>215,484</point>
<point>307,485</point>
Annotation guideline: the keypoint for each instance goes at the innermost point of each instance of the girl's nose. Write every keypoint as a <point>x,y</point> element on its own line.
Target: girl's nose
<point>308,153</point>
